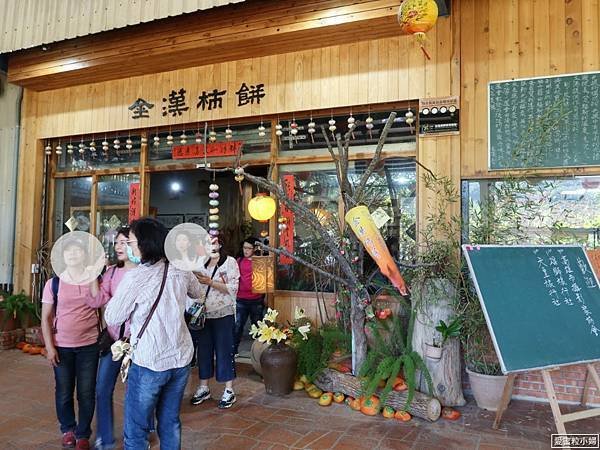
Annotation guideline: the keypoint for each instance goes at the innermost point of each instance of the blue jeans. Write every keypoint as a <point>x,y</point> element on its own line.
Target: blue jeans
<point>245,308</point>
<point>215,340</point>
<point>77,366</point>
<point>148,391</point>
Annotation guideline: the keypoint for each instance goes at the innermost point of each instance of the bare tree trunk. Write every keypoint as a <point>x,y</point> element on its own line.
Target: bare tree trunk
<point>359,337</point>
<point>433,302</point>
<point>422,405</point>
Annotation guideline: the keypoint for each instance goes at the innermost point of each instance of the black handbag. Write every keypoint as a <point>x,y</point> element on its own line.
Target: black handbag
<point>105,340</point>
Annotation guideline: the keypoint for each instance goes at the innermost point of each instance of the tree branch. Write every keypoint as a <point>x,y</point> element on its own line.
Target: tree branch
<point>282,251</point>
<point>376,157</point>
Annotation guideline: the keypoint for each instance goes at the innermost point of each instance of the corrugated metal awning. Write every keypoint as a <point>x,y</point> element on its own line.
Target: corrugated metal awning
<point>29,23</point>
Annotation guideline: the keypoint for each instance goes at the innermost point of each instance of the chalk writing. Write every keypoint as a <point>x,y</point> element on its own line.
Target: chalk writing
<point>553,264</point>
<point>515,106</point>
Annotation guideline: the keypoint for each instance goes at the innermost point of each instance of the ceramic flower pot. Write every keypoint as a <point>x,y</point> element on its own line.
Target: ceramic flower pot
<point>278,363</point>
<point>487,389</point>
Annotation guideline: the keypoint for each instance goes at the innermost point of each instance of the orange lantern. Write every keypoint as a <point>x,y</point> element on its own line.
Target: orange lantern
<point>417,17</point>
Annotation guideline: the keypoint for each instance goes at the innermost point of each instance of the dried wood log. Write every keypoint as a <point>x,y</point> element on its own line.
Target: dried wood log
<point>422,405</point>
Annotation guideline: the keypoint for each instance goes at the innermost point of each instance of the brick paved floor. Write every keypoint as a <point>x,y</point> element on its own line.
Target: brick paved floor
<point>260,422</point>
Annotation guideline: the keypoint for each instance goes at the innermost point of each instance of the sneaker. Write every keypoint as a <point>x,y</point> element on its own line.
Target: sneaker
<point>227,400</point>
<point>68,440</point>
<point>202,393</point>
<point>82,444</point>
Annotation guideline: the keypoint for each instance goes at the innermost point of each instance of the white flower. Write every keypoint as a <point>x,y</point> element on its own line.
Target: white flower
<point>304,330</point>
<point>299,313</point>
<point>254,330</point>
<point>271,315</point>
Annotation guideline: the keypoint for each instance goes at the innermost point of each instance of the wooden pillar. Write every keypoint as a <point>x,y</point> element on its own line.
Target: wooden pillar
<point>30,185</point>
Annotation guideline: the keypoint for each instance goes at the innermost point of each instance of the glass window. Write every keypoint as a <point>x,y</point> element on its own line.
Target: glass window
<point>95,157</point>
<point>392,188</point>
<point>542,211</point>
<point>73,202</point>
<point>245,137</point>
<point>114,197</point>
<point>364,139</point>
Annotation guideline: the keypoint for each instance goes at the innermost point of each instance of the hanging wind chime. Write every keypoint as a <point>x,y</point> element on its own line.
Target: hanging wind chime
<point>409,117</point>
<point>369,125</point>
<point>311,128</point>
<point>105,147</point>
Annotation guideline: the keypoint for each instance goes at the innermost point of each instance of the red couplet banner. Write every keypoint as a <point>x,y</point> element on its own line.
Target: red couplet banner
<point>226,148</point>
<point>286,238</point>
<point>134,202</point>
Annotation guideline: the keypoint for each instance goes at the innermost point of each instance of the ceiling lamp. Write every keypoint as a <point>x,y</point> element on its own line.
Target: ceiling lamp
<point>262,207</point>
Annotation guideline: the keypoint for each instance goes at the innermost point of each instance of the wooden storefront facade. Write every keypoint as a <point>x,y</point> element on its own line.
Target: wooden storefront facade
<point>332,55</point>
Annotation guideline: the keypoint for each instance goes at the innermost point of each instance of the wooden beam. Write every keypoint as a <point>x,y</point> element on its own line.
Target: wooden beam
<point>225,34</point>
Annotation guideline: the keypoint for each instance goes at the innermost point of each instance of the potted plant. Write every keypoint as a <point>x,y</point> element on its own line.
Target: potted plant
<point>278,361</point>
<point>446,331</point>
<point>17,310</point>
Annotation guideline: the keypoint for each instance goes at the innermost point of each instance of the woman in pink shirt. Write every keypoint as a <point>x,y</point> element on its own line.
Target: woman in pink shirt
<point>70,326</point>
<point>108,370</point>
<point>247,303</point>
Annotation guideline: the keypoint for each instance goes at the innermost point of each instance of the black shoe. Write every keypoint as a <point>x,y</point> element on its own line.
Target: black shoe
<point>200,395</point>
<point>227,400</point>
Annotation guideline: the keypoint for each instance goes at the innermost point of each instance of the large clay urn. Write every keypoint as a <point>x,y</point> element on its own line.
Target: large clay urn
<point>278,363</point>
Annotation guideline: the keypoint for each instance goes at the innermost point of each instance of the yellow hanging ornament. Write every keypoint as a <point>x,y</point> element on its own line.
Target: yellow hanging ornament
<point>417,17</point>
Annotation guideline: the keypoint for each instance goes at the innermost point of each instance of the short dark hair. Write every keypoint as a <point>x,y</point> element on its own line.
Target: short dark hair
<point>151,235</point>
<point>249,240</point>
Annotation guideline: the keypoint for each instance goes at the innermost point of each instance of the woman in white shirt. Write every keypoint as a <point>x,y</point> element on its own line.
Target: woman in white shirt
<point>160,362</point>
<point>221,276</point>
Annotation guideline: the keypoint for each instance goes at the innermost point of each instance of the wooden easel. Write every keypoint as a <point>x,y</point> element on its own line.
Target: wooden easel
<point>559,418</point>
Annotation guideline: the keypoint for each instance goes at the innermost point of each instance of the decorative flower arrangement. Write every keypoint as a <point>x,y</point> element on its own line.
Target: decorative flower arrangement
<point>268,331</point>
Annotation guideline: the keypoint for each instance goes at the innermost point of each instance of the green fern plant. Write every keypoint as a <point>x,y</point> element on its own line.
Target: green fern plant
<point>388,357</point>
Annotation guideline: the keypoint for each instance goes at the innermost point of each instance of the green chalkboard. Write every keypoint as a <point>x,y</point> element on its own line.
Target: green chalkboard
<point>542,304</point>
<point>544,122</point>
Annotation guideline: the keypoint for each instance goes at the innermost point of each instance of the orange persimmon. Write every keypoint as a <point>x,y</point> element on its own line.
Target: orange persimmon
<point>370,406</point>
<point>450,413</point>
<point>402,416</point>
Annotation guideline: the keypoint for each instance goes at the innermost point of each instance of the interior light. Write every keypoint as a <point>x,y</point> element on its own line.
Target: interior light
<point>175,186</point>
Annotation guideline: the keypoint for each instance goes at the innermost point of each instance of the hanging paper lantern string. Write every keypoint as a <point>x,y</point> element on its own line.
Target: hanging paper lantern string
<point>228,133</point>
<point>58,149</point>
<point>417,17</point>
<point>183,138</point>
<point>212,135</point>
<point>48,149</point>
<point>213,222</point>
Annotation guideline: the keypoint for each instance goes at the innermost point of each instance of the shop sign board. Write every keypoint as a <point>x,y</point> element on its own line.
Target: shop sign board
<point>438,115</point>
<point>225,148</point>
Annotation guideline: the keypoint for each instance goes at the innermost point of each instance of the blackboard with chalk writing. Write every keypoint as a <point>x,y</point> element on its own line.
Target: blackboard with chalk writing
<point>544,122</point>
<point>541,303</point>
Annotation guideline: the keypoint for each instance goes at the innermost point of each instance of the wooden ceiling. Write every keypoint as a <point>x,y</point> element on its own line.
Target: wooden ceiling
<point>249,29</point>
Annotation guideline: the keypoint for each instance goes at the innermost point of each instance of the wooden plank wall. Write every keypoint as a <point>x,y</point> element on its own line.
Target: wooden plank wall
<point>503,39</point>
<point>361,73</point>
